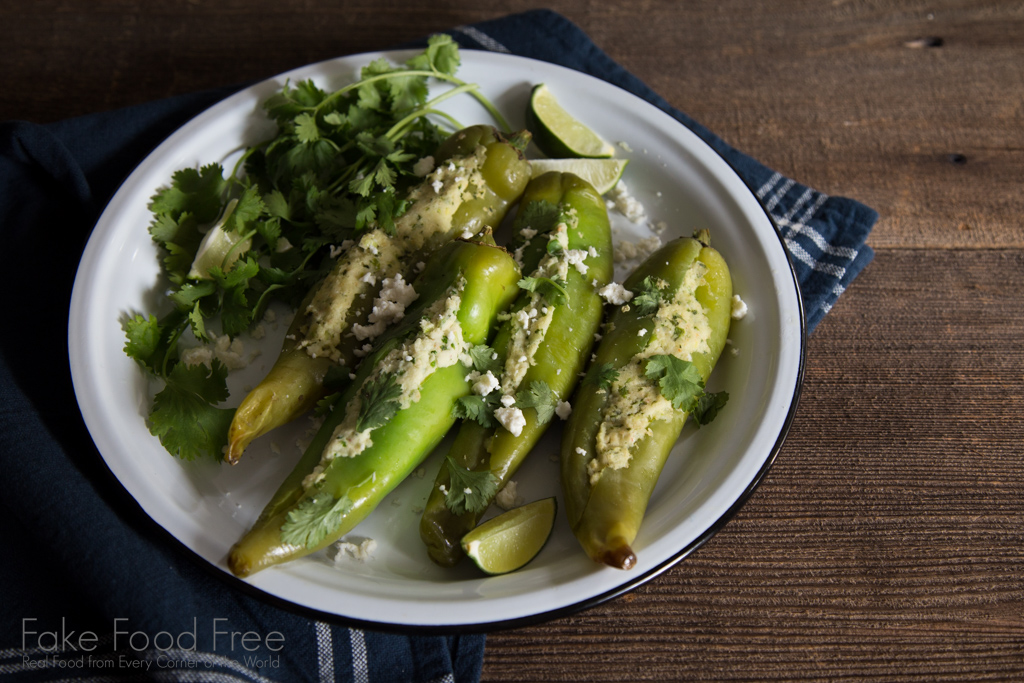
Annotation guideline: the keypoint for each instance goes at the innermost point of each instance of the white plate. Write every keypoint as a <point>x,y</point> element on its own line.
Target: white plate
<point>208,506</point>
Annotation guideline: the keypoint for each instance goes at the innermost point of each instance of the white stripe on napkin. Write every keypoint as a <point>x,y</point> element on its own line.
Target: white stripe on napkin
<point>484,39</point>
<point>324,652</point>
<point>360,666</point>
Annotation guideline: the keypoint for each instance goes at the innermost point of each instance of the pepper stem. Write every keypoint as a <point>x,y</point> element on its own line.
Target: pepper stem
<point>703,236</point>
<point>520,140</point>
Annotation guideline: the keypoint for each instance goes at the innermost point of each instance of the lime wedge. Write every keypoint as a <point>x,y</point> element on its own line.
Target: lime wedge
<point>219,248</point>
<point>601,173</point>
<point>510,540</point>
<point>557,133</point>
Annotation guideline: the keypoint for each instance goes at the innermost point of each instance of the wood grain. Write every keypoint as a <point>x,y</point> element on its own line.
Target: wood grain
<point>886,543</point>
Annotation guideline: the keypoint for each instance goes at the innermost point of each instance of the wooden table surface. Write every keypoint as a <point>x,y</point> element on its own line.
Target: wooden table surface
<point>888,539</point>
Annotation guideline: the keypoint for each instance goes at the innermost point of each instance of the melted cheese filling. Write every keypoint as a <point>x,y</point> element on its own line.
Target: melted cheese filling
<point>438,344</point>
<point>679,328</point>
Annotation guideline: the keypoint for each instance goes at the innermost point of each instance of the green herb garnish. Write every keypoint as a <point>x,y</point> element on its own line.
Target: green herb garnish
<point>469,491</point>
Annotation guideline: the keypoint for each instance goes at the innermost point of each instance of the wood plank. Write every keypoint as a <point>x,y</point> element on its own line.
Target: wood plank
<point>830,94</point>
<point>887,539</point>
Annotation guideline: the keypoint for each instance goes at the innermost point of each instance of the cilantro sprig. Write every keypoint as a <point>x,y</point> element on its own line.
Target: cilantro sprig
<point>681,383</point>
<point>647,298</point>
<point>313,519</point>
<point>469,490</point>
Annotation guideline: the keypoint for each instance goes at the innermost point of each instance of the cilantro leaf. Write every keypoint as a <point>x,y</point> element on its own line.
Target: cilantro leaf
<point>306,129</point>
<point>314,519</point>
<point>184,415</point>
<point>441,55</point>
<point>198,322</point>
<point>484,358</point>
<point>144,335</point>
<point>647,299</point>
<point>552,290</point>
<point>190,293</point>
<point>470,491</point>
<point>539,397</point>
<point>248,209</point>
<point>708,406</point>
<point>478,408</point>
<point>604,375</point>
<point>197,192</point>
<point>379,401</point>
<point>679,380</point>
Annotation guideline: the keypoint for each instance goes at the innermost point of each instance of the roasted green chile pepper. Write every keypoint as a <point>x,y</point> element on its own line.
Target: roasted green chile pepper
<point>397,409</point>
<point>563,241</point>
<point>646,378</point>
<point>478,176</point>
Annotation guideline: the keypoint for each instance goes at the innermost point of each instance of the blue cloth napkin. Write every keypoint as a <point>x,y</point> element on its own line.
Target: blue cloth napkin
<point>94,589</point>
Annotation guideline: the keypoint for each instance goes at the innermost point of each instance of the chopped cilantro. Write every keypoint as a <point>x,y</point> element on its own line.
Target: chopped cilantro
<point>314,519</point>
<point>679,380</point>
<point>469,491</point>
<point>552,290</point>
<point>646,299</point>
<point>539,397</point>
<point>604,375</point>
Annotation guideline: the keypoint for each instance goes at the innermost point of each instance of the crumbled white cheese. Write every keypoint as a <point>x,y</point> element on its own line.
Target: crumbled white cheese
<point>508,498</point>
<point>563,410</point>
<point>230,352</point>
<point>508,400</point>
<point>615,294</point>
<point>619,199</point>
<point>423,167</point>
<point>739,307</point>
<point>639,250</point>
<point>577,258</point>
<point>511,418</point>
<point>360,552</point>
<point>389,307</point>
<point>485,384</point>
